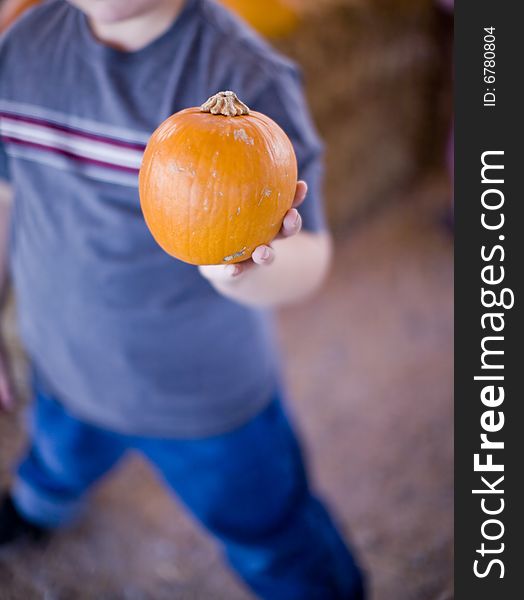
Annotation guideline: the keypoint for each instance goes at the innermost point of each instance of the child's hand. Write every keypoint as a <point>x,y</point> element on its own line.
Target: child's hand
<point>262,255</point>
<point>7,396</point>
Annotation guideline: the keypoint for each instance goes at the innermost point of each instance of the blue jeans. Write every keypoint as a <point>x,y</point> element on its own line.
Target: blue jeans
<point>247,487</point>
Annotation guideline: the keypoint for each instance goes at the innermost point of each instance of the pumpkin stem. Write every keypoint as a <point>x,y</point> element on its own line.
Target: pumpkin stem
<point>225,103</point>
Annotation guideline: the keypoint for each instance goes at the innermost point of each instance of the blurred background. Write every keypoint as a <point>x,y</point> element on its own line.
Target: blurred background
<point>371,378</point>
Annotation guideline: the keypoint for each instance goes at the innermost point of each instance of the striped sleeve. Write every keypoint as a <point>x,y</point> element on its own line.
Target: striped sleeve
<point>61,141</point>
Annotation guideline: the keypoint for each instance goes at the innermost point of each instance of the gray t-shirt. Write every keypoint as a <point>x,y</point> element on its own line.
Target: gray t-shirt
<point>124,335</point>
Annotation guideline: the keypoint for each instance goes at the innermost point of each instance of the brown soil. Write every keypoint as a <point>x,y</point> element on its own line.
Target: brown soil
<point>369,364</point>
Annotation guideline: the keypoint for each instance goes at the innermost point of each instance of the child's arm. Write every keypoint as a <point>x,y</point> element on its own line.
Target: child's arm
<point>6,388</point>
<point>291,268</point>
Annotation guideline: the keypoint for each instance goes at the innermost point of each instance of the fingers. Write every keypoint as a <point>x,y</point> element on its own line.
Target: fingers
<point>292,223</point>
<point>263,255</point>
<point>218,272</point>
<point>224,273</point>
<point>300,194</point>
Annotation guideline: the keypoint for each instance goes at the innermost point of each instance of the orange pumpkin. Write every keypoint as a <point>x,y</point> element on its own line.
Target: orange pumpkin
<point>217,181</point>
<point>271,17</point>
<point>10,10</point>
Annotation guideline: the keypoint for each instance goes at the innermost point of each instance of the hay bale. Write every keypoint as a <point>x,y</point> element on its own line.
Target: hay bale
<point>371,70</point>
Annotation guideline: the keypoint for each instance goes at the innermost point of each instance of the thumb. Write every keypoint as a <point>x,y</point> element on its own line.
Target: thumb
<point>219,273</point>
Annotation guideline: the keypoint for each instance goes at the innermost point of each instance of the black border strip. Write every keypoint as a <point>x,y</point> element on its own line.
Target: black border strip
<point>480,129</point>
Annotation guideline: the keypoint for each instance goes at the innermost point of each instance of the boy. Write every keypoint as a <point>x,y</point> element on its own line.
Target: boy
<point>130,348</point>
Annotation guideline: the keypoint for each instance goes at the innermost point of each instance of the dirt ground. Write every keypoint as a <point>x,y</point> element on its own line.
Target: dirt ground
<point>369,365</point>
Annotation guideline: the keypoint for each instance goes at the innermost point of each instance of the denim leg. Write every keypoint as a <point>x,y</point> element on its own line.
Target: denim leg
<point>250,490</point>
<point>65,457</point>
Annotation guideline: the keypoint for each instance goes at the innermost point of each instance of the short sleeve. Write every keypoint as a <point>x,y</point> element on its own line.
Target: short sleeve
<point>283,99</point>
